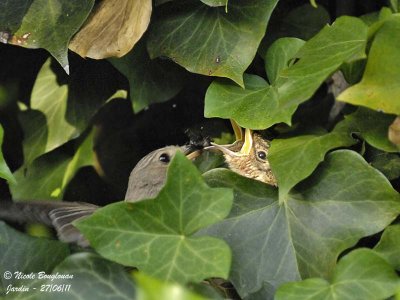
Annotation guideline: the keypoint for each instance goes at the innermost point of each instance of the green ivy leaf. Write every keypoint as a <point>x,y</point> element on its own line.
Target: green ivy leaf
<point>353,71</point>
<point>94,278</point>
<point>22,253</point>
<point>279,55</point>
<point>272,243</point>
<point>376,19</point>
<point>379,88</point>
<point>394,5</point>
<point>209,160</point>
<point>373,127</point>
<point>387,163</point>
<point>4,169</point>
<point>207,40</point>
<point>250,106</point>
<point>344,41</point>
<point>389,245</point>
<point>153,289</point>
<point>362,274</point>
<point>151,81</point>
<point>156,235</point>
<point>59,113</point>
<point>50,98</point>
<point>294,159</point>
<point>294,24</point>
<point>40,24</point>
<point>83,157</point>
<point>58,169</point>
<point>42,179</point>
<point>34,126</point>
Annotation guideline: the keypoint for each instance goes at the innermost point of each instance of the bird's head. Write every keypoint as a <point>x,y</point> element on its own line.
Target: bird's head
<point>149,175</point>
<point>160,158</point>
<point>248,156</point>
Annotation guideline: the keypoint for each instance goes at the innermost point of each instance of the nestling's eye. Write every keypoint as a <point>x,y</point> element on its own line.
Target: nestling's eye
<point>164,157</point>
<point>262,155</point>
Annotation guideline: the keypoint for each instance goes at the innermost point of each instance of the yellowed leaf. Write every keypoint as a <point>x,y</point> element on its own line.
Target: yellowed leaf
<point>394,132</point>
<point>112,29</point>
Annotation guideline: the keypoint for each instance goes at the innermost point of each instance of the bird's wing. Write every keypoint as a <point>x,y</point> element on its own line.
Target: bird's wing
<point>63,217</point>
<point>59,215</point>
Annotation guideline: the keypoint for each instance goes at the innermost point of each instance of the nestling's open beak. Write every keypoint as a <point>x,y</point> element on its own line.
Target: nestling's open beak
<point>248,142</point>
<point>246,139</point>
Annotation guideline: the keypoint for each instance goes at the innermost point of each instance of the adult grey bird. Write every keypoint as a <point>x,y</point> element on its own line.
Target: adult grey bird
<point>145,181</point>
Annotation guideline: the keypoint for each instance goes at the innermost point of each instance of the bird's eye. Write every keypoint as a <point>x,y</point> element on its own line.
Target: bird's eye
<point>262,155</point>
<point>164,157</point>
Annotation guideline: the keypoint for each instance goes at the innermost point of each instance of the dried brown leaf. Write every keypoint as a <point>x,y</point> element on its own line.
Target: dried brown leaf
<point>112,29</point>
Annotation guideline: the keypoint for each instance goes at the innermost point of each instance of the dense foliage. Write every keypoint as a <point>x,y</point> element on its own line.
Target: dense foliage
<point>318,78</point>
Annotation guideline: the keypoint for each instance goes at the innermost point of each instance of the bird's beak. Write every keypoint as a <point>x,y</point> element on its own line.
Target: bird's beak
<point>223,148</point>
<point>246,139</point>
<point>248,142</point>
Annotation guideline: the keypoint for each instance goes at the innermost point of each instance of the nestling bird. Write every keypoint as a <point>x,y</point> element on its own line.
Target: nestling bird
<point>248,156</point>
<point>145,181</point>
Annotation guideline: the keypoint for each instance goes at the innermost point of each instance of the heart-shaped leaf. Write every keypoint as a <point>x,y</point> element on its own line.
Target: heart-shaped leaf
<point>250,106</point>
<point>272,243</point>
<point>343,41</point>
<point>379,87</point>
<point>362,274</point>
<point>207,40</point>
<point>40,24</point>
<point>156,235</point>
